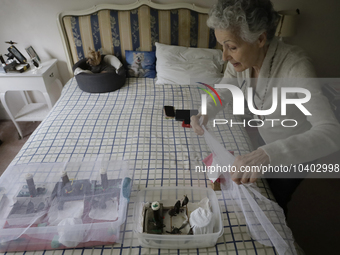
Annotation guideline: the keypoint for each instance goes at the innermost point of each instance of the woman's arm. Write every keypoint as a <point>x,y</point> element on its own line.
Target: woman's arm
<point>322,139</point>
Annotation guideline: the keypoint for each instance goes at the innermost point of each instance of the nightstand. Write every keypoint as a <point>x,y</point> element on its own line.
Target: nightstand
<point>42,80</point>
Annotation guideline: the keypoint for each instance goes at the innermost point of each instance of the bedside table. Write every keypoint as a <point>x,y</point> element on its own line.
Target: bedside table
<point>41,80</point>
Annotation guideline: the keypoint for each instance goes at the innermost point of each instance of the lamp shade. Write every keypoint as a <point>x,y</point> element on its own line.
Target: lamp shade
<point>287,23</point>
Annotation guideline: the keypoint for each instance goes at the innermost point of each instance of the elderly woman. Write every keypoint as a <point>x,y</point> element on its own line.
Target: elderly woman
<point>246,29</point>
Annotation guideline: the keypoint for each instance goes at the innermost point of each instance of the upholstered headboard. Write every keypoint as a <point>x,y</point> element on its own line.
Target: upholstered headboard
<point>112,28</point>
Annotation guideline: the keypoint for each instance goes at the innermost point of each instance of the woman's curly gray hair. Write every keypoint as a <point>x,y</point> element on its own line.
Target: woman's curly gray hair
<point>247,18</point>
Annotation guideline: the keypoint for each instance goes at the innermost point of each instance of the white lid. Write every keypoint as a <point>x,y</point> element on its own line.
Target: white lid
<point>155,206</point>
<point>103,171</point>
<point>28,176</point>
<point>63,173</point>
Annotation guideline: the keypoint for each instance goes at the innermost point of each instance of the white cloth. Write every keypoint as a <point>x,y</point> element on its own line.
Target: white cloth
<point>200,220</point>
<point>264,218</point>
<point>78,70</point>
<point>67,237</point>
<point>204,203</point>
<point>114,61</point>
<point>213,173</point>
<point>315,136</point>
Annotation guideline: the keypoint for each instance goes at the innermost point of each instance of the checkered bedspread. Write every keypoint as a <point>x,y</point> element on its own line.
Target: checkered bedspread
<point>130,124</point>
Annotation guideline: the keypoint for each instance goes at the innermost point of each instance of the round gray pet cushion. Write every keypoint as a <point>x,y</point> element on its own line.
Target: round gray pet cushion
<point>99,82</point>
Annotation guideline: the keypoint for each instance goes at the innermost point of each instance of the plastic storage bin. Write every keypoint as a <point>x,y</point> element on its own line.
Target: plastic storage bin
<point>168,196</point>
<point>85,207</point>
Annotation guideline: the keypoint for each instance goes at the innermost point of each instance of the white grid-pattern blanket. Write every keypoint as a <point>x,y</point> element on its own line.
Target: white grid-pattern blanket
<point>129,124</point>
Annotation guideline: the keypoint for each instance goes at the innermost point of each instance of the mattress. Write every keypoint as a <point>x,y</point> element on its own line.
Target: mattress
<point>129,124</point>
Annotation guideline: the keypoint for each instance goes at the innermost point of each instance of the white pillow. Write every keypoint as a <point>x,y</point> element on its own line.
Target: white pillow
<point>184,65</point>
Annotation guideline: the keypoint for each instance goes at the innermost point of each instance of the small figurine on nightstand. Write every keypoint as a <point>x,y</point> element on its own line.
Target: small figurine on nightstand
<point>13,64</point>
<point>34,57</point>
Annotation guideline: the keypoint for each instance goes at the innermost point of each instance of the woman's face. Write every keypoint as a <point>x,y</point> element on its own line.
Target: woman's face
<point>241,54</point>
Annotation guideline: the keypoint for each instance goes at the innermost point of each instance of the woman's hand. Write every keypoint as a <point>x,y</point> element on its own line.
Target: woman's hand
<point>255,158</point>
<point>195,123</point>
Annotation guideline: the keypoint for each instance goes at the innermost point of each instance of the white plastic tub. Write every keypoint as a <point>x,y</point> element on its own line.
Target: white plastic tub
<point>169,196</point>
<point>39,230</point>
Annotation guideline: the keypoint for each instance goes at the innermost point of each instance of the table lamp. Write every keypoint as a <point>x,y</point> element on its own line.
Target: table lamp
<point>287,24</point>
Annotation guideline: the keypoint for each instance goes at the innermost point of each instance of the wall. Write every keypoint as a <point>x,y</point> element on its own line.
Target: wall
<point>33,22</point>
<point>318,32</point>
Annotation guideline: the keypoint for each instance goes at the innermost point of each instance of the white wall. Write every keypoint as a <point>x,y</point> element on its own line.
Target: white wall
<point>33,22</point>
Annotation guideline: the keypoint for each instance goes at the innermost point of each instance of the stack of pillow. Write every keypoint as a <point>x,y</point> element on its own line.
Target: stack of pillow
<point>177,64</point>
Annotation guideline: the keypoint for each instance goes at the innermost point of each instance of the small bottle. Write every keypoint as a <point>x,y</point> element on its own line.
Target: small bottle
<point>30,184</point>
<point>103,176</point>
<point>64,177</point>
<point>156,212</point>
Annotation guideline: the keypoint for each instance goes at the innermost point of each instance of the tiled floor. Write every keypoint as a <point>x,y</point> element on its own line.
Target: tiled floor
<point>11,144</point>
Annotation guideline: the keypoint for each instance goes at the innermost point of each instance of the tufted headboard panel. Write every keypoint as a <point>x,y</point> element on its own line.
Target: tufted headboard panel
<point>112,29</point>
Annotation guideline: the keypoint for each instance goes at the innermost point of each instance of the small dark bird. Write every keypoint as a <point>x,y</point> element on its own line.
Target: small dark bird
<point>157,224</point>
<point>184,225</point>
<point>40,190</point>
<point>177,206</point>
<point>174,231</point>
<point>185,201</point>
<point>191,232</point>
<point>172,212</point>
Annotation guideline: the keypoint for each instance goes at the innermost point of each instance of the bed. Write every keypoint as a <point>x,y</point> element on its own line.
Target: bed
<point>129,123</point>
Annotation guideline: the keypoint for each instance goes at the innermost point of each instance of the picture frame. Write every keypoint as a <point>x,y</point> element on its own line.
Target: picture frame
<point>31,52</point>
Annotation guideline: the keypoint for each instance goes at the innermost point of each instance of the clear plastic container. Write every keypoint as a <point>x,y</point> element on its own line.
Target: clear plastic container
<point>168,196</point>
<point>85,209</point>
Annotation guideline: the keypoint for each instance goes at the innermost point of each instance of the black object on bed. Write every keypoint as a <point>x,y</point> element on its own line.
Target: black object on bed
<point>99,82</point>
<point>185,115</point>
